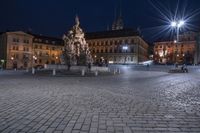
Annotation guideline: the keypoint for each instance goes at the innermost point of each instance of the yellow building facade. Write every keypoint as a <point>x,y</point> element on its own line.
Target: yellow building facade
<point>22,50</point>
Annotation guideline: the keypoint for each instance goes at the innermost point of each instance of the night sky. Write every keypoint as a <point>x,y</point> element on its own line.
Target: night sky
<point>54,17</point>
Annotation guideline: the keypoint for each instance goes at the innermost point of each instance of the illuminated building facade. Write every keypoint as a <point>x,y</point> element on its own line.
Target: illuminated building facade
<point>123,46</point>
<point>170,52</point>
<point>22,50</point>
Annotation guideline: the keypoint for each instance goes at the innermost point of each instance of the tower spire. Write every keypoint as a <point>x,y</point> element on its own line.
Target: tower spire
<point>118,22</point>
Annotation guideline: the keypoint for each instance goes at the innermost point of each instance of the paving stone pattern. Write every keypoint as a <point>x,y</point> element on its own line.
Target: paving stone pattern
<point>132,102</point>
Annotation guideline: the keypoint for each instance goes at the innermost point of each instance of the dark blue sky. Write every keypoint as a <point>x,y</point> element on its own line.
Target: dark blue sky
<point>54,17</point>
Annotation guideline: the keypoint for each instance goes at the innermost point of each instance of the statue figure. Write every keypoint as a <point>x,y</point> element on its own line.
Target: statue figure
<point>76,50</point>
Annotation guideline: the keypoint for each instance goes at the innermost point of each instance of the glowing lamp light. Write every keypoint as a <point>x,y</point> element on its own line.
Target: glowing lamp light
<point>111,62</point>
<point>125,47</point>
<point>12,58</point>
<point>177,24</point>
<point>181,23</point>
<point>34,57</point>
<point>173,24</point>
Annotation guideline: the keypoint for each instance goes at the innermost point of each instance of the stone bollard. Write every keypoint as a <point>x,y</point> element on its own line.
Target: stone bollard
<point>27,70</point>
<point>54,72</point>
<point>109,70</point>
<point>33,71</point>
<point>96,73</point>
<point>83,72</point>
<point>15,69</point>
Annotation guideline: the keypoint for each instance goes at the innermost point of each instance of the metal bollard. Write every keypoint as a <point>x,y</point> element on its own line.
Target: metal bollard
<point>119,71</point>
<point>96,73</point>
<point>33,71</point>
<point>83,72</point>
<point>54,72</point>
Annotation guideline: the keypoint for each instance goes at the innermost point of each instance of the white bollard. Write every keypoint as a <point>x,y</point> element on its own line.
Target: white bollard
<point>114,72</point>
<point>83,72</point>
<point>54,72</point>
<point>33,71</point>
<point>96,73</point>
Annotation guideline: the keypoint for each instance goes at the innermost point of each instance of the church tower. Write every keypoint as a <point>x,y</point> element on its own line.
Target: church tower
<point>118,21</point>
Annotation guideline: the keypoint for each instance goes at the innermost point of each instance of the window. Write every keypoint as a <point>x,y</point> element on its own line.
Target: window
<point>132,49</point>
<point>26,41</point>
<point>40,46</point>
<point>40,61</point>
<point>13,48</point>
<point>101,50</point>
<point>40,54</point>
<point>15,40</point>
<point>16,56</point>
<point>106,42</point>
<point>17,48</point>
<point>47,54</point>
<point>53,48</point>
<point>106,51</point>
<point>47,48</point>
<point>36,46</point>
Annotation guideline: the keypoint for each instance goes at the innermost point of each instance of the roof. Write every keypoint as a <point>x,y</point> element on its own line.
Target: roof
<point>47,39</point>
<point>111,34</point>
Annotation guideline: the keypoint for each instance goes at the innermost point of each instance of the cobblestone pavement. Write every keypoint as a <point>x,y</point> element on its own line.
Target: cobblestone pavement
<point>132,102</point>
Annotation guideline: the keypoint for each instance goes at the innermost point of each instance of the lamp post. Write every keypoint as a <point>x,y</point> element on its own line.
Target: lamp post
<point>177,25</point>
<point>34,59</point>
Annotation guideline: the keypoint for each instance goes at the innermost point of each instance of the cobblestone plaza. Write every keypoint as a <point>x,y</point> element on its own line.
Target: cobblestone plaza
<point>132,102</point>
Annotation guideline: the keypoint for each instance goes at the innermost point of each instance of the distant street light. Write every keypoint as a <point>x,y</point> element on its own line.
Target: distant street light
<point>177,25</point>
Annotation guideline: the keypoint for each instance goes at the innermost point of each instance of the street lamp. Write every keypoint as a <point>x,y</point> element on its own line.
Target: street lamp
<point>177,25</point>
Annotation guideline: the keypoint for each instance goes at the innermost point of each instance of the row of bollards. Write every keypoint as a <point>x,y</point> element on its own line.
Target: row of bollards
<point>83,72</point>
<point>116,71</point>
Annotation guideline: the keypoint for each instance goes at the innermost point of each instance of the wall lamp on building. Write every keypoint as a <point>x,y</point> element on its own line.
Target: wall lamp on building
<point>34,57</point>
<point>56,57</point>
<point>12,58</point>
<point>125,47</point>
